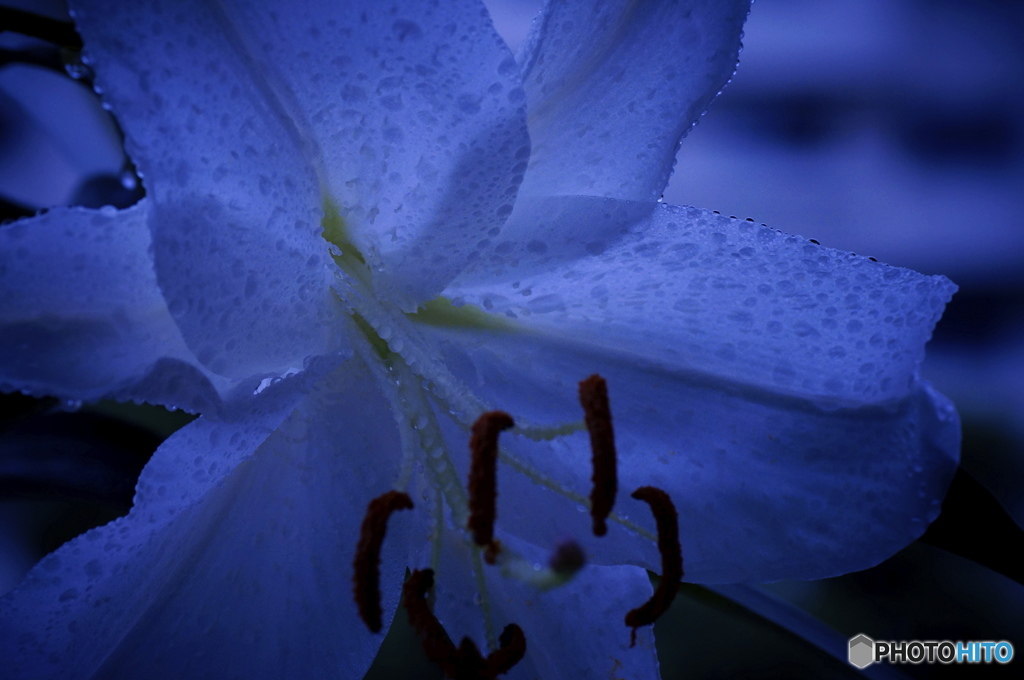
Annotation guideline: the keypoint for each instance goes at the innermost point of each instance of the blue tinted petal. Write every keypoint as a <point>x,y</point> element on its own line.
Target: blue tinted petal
<point>82,317</point>
<point>769,384</point>
<point>574,631</point>
<point>236,206</point>
<point>717,296</point>
<point>579,630</point>
<point>48,163</point>
<point>768,486</point>
<point>612,87</point>
<point>235,561</point>
<point>414,118</point>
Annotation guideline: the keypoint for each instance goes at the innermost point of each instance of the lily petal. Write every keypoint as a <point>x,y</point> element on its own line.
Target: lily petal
<point>767,487</point>
<point>82,317</point>
<point>614,86</point>
<point>590,622</point>
<point>701,292</point>
<point>588,637</point>
<point>236,206</point>
<point>165,588</point>
<point>800,473</point>
<point>416,118</point>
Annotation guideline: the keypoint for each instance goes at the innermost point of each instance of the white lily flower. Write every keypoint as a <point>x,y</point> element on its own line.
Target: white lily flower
<point>365,225</point>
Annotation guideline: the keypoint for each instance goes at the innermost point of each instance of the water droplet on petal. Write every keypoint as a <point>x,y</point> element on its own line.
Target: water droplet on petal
<point>79,70</point>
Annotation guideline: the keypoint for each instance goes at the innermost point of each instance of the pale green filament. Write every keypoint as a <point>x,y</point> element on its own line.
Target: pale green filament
<point>485,600</point>
<point>541,479</point>
<point>421,433</point>
<point>437,533</point>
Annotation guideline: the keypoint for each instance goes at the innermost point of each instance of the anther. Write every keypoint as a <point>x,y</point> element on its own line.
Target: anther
<point>483,449</point>
<point>598,417</point>
<point>465,662</point>
<point>436,643</point>
<point>511,650</point>
<point>366,565</point>
<point>667,520</point>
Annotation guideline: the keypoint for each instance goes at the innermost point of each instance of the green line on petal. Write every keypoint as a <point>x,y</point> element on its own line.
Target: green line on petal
<point>380,347</point>
<point>348,257</point>
<point>444,313</point>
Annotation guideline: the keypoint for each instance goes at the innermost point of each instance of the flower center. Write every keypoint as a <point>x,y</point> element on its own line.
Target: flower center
<point>418,387</point>
<point>466,661</point>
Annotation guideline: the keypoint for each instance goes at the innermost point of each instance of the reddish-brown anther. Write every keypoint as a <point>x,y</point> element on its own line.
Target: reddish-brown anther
<point>366,565</point>
<point>464,662</point>
<point>667,520</point>
<point>598,417</point>
<point>436,643</point>
<point>470,664</point>
<point>483,493</point>
<point>511,651</point>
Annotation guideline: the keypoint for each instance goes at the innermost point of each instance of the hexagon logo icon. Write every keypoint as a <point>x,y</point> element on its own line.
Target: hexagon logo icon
<point>862,651</point>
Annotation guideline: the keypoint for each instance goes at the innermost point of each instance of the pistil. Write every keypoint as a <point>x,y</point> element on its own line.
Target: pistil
<point>411,380</point>
<point>566,560</point>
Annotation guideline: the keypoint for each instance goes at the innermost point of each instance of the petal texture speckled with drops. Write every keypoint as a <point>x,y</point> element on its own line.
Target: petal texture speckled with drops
<point>761,480</point>
<point>721,297</point>
<point>613,87</point>
<point>417,121</point>
<point>234,562</point>
<point>236,204</point>
<point>751,368</point>
<point>82,317</point>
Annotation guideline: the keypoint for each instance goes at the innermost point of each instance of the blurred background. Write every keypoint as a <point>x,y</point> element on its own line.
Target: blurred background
<point>891,128</point>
